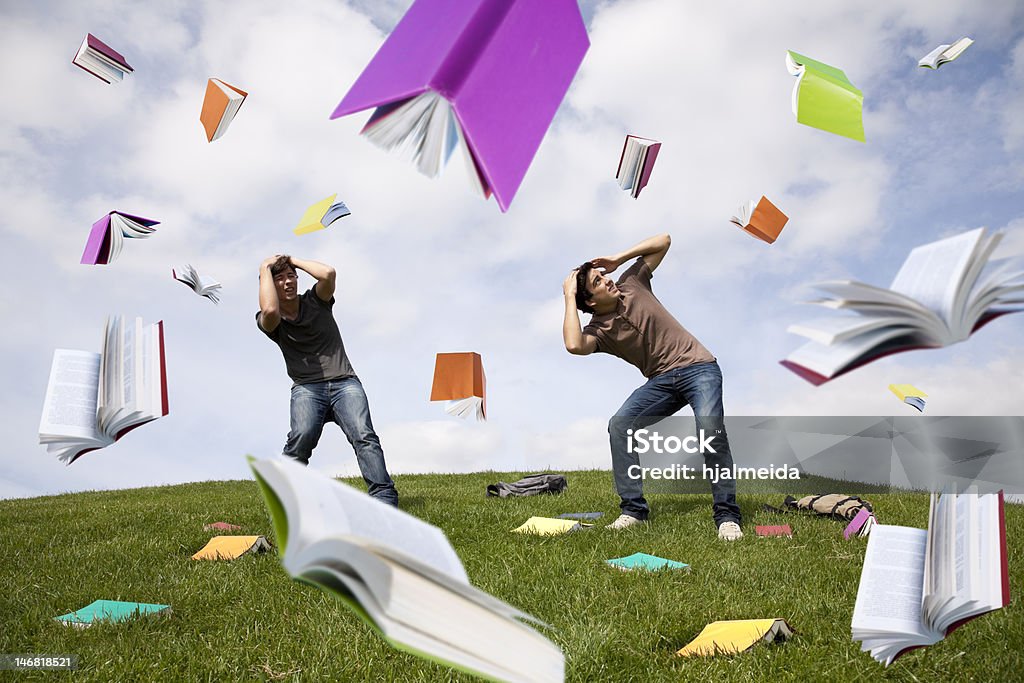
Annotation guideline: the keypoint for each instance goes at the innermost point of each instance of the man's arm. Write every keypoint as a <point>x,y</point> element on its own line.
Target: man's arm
<point>653,249</point>
<point>324,274</point>
<point>270,313</point>
<point>576,342</point>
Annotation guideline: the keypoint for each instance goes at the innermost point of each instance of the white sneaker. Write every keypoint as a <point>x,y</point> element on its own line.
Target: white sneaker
<point>729,531</point>
<point>624,522</point>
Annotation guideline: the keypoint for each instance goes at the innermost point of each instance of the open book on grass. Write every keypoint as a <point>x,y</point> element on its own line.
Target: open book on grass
<point>400,575</point>
<point>93,399</point>
<point>733,637</point>
<point>944,292</point>
<point>110,610</point>
<point>550,526</point>
<point>231,547</point>
<point>917,586</point>
<point>645,562</point>
<point>484,76</point>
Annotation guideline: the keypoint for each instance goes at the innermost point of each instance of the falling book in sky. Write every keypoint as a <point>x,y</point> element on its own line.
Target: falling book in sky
<point>484,76</point>
<point>101,60</point>
<point>944,53</point>
<point>636,163</point>
<point>824,97</point>
<point>944,292</point>
<point>321,215</point>
<point>106,239</point>
<point>203,285</point>
<point>459,380</point>
<point>93,399</point>
<point>220,106</point>
<point>910,395</point>
<point>762,219</point>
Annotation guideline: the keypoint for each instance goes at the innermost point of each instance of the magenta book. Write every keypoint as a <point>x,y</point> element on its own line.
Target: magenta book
<point>503,65</point>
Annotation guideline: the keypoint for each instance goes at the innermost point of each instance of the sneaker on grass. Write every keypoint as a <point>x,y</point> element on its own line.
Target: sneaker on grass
<point>729,531</point>
<point>624,522</point>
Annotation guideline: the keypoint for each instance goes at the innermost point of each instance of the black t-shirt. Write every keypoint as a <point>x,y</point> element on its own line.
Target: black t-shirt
<point>311,344</point>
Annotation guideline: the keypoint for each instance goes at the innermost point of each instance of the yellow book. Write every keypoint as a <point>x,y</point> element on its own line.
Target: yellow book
<point>910,395</point>
<point>230,547</point>
<point>320,215</point>
<point>731,637</point>
<point>546,526</point>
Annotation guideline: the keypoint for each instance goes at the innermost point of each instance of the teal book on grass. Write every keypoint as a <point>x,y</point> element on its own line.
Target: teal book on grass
<point>110,610</point>
<point>651,563</point>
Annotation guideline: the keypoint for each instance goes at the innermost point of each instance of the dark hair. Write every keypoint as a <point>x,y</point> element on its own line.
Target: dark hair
<point>582,293</point>
<point>280,265</point>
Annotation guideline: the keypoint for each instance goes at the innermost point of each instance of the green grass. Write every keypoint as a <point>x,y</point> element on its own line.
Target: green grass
<point>247,620</point>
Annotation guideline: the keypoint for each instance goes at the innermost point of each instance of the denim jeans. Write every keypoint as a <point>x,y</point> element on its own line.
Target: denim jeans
<point>700,386</point>
<point>343,402</point>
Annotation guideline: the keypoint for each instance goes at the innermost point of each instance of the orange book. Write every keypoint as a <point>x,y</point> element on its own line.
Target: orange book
<point>221,103</point>
<point>459,379</point>
<point>762,219</point>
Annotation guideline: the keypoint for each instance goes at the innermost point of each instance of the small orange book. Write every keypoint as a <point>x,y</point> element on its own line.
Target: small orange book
<point>459,379</point>
<point>221,103</point>
<point>762,219</point>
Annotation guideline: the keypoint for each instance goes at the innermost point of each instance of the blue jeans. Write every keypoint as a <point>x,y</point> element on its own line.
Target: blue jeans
<point>342,401</point>
<point>700,386</point>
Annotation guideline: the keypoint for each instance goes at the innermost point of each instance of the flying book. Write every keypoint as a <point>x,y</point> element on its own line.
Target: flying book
<point>944,53</point>
<point>93,399</point>
<point>636,163</point>
<point>109,233</point>
<point>231,547</point>
<point>910,395</point>
<point>918,586</point>
<point>485,76</point>
<point>860,525</point>
<point>101,60</point>
<point>321,215</point>
<point>548,526</point>
<point>110,610</point>
<point>400,575</point>
<point>221,526</point>
<point>761,219</point>
<point>944,292</point>
<point>778,530</point>
<point>645,562</point>
<point>581,515</point>
<point>220,105</point>
<point>733,637</point>
<point>459,379</point>
<point>824,97</point>
<point>202,285</point>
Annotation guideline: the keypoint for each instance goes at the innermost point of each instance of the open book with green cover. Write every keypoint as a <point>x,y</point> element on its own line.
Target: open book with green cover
<point>824,97</point>
<point>400,575</point>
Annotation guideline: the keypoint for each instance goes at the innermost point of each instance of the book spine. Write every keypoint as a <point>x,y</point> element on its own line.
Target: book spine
<point>163,371</point>
<point>463,54</point>
<point>652,155</point>
<point>97,247</point>
<point>1003,557</point>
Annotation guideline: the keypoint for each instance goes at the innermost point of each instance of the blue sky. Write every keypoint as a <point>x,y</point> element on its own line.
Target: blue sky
<point>426,267</point>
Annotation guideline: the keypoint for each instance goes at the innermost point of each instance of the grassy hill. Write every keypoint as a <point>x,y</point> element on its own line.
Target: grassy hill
<point>247,620</point>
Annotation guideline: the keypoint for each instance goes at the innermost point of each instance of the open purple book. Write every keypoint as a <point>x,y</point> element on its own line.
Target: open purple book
<point>483,75</point>
<point>109,233</point>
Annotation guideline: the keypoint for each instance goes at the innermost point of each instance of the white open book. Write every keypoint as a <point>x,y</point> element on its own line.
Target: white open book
<point>203,285</point>
<point>918,586</point>
<point>943,293</point>
<point>400,575</point>
<point>944,53</point>
<point>93,399</point>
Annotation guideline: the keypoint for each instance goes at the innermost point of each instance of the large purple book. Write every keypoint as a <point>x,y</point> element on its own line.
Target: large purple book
<point>105,50</point>
<point>97,247</point>
<point>504,65</point>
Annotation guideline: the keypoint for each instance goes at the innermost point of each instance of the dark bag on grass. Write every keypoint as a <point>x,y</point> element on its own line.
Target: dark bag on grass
<point>837,505</point>
<point>529,486</point>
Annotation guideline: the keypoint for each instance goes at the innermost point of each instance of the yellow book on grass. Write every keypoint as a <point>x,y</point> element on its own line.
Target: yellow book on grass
<point>546,526</point>
<point>230,547</point>
<point>731,637</point>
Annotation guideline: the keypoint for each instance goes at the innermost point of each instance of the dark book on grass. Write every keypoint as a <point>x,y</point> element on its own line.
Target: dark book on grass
<point>581,515</point>
<point>485,76</point>
<point>93,399</point>
<point>943,293</point>
<point>636,163</point>
<point>111,611</point>
<point>918,585</point>
<point>400,575</point>
<point>101,60</point>
<point>106,239</point>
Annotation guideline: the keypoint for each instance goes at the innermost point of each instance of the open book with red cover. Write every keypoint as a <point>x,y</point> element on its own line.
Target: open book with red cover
<point>486,76</point>
<point>917,586</point>
<point>93,399</point>
<point>636,163</point>
<point>101,60</point>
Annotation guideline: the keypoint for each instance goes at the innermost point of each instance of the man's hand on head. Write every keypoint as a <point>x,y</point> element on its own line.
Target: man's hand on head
<point>607,264</point>
<point>569,286</point>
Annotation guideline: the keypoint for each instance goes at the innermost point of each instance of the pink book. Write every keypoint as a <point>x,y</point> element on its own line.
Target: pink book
<point>110,53</point>
<point>781,530</point>
<point>857,523</point>
<point>645,175</point>
<point>504,65</point>
<point>97,247</point>
<point>221,526</point>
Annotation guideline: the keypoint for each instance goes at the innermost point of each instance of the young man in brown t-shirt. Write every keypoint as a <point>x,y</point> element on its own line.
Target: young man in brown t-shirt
<point>628,321</point>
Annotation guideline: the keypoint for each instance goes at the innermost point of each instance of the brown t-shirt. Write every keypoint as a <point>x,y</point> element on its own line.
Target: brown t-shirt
<point>641,332</point>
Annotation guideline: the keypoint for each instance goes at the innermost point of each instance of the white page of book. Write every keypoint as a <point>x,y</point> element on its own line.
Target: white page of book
<point>932,274</point>
<point>990,577</point>
<point>829,360</point>
<point>69,408</point>
<point>889,597</point>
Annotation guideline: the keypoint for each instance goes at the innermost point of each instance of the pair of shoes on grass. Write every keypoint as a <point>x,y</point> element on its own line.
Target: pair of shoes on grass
<point>727,531</point>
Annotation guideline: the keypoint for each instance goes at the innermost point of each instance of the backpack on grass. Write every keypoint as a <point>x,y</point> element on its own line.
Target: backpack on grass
<point>837,505</point>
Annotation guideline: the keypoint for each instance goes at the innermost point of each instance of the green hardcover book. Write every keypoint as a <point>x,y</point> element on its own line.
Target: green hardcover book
<point>824,97</point>
<point>651,563</point>
<point>110,610</point>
